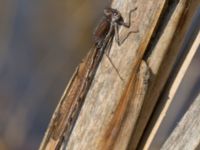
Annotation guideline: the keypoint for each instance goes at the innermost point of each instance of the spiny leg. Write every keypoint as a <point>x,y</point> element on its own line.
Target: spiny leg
<point>108,47</point>
<point>114,67</point>
<point>127,25</point>
<point>117,39</point>
<point>107,42</point>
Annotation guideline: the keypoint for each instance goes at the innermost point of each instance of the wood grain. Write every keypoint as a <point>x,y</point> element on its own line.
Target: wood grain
<point>127,111</point>
<point>170,58</point>
<point>60,119</point>
<point>172,89</point>
<point>187,133</point>
<point>110,108</point>
<point>107,90</point>
<point>166,51</point>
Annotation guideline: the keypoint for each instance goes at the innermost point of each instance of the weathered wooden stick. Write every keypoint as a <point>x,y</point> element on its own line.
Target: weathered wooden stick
<point>173,87</point>
<point>111,106</point>
<point>187,133</point>
<point>166,51</point>
<point>183,11</point>
<point>102,104</point>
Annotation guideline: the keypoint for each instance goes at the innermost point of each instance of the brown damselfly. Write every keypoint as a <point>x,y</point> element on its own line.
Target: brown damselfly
<point>69,107</point>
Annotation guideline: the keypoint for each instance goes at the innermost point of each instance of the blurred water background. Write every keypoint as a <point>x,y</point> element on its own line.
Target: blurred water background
<point>41,43</point>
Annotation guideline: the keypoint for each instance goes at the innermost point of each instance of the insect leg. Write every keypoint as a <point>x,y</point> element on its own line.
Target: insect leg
<point>116,28</point>
<point>106,42</point>
<point>127,25</point>
<point>117,39</point>
<point>114,67</point>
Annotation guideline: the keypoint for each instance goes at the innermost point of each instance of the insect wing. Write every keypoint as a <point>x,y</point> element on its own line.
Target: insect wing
<point>101,31</point>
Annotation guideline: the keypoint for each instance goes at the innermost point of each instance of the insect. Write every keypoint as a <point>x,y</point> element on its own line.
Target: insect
<point>72,101</point>
<point>108,28</point>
